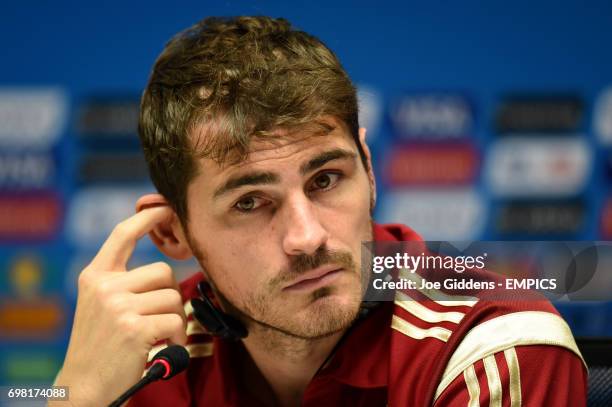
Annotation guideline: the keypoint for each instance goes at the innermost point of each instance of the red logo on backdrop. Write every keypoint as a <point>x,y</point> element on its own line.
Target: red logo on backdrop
<point>432,164</point>
<point>35,319</point>
<point>29,217</point>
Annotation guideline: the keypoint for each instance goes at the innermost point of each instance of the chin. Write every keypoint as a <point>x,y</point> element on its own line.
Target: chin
<point>316,314</point>
<point>327,313</point>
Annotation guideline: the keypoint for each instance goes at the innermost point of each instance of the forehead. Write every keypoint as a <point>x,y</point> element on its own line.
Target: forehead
<point>284,146</point>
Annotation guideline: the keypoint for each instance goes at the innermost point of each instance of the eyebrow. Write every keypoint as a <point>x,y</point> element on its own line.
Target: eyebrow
<point>267,177</point>
<point>254,178</point>
<point>325,157</point>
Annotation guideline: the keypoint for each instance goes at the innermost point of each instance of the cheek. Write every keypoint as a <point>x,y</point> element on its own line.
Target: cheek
<point>359,218</point>
<point>237,267</point>
<point>353,221</point>
<point>354,208</point>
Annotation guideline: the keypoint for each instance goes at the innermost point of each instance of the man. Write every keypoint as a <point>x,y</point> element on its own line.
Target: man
<point>251,133</point>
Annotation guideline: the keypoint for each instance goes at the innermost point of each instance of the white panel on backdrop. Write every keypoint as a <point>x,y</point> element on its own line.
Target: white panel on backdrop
<point>538,166</point>
<point>32,117</point>
<point>432,116</point>
<point>437,214</point>
<point>95,211</point>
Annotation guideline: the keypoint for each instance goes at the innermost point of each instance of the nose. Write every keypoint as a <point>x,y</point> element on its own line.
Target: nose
<point>304,233</point>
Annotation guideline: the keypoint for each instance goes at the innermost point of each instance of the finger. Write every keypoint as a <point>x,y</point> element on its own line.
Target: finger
<point>150,277</point>
<point>150,200</point>
<point>118,248</point>
<point>166,301</point>
<point>166,326</point>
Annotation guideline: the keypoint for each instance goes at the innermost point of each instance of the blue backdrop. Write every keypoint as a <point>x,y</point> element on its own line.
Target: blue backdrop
<point>488,120</point>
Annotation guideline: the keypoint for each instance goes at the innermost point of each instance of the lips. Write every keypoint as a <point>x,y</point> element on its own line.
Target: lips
<point>315,278</point>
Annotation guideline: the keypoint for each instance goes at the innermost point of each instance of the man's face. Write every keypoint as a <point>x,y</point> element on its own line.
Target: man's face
<point>279,234</point>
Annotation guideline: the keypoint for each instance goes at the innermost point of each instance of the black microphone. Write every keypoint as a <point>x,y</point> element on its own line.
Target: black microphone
<point>166,363</point>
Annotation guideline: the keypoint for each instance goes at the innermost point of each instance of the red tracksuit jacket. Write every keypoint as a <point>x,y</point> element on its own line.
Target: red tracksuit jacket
<point>407,353</point>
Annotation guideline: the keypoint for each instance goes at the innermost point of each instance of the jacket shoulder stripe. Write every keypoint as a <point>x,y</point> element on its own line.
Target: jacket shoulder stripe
<point>194,328</point>
<point>188,308</point>
<point>438,296</point>
<point>473,386</point>
<point>493,381</point>
<point>200,350</point>
<point>422,312</point>
<point>504,332</point>
<point>413,331</point>
<point>515,377</point>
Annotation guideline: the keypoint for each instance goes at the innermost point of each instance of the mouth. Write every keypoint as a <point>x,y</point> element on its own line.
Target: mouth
<point>315,278</point>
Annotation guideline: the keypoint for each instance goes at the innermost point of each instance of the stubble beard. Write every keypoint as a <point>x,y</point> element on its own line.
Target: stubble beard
<point>322,313</point>
<point>321,316</point>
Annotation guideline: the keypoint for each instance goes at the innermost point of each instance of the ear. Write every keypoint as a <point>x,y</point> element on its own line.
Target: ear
<point>370,170</point>
<point>168,235</point>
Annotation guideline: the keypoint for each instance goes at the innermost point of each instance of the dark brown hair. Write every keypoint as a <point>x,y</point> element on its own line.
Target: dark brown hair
<point>224,81</point>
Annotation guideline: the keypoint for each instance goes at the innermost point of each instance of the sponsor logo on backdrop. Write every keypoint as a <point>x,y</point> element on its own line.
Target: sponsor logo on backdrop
<point>18,366</point>
<point>32,216</point>
<point>113,167</point>
<point>95,211</point>
<point>25,312</point>
<point>25,276</point>
<point>32,117</point>
<point>602,116</point>
<point>441,214</point>
<point>432,116</point>
<point>42,319</point>
<point>542,167</point>
<point>532,218</point>
<point>26,170</point>
<point>370,110</point>
<point>539,113</point>
<point>431,164</point>
<point>109,117</point>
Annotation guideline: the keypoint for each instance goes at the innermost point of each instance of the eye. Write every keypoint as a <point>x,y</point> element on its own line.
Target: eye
<point>247,204</point>
<point>326,180</point>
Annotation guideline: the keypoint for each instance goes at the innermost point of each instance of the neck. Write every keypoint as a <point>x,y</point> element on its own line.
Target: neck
<point>286,363</point>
